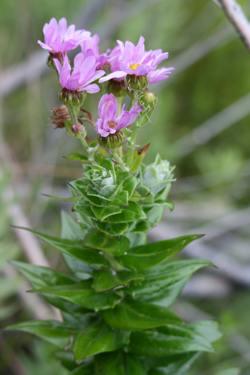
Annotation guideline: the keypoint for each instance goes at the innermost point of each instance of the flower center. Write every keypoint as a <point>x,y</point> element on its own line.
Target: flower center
<point>112,124</point>
<point>134,66</point>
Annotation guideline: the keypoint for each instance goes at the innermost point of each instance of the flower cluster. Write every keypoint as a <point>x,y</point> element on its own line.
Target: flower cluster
<point>126,67</point>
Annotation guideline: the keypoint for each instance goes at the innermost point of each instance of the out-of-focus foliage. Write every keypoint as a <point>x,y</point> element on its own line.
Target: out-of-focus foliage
<point>234,348</point>
<point>8,251</point>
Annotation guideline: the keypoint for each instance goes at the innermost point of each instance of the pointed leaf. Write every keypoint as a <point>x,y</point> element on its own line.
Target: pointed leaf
<point>74,248</point>
<point>52,331</point>
<point>175,365</point>
<point>128,214</point>
<point>42,276</point>
<point>96,338</point>
<point>108,279</point>
<point>171,340</point>
<point>71,230</point>
<point>83,295</point>
<point>146,256</point>
<point>164,282</point>
<point>103,213</point>
<point>113,229</point>
<point>135,316</point>
<point>117,245</point>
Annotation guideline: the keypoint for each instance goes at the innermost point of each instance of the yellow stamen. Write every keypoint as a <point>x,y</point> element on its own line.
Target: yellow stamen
<point>134,66</point>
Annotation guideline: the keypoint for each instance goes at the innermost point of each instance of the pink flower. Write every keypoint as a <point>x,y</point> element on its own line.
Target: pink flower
<point>83,74</point>
<point>110,121</point>
<point>91,43</point>
<point>129,59</point>
<point>61,38</point>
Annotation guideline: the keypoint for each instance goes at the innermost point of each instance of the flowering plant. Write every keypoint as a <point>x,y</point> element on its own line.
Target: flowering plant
<point>116,295</point>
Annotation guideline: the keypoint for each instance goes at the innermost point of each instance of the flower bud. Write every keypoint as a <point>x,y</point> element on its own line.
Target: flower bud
<point>71,97</point>
<point>150,98</point>
<point>77,128</point>
<point>59,116</point>
<point>137,83</point>
<point>158,176</point>
<point>112,141</point>
<point>116,87</point>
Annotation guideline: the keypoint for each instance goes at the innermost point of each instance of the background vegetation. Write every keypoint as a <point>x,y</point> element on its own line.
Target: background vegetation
<point>201,124</point>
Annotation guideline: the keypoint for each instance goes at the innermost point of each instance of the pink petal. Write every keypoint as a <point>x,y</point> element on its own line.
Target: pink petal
<point>159,74</point>
<point>115,75</point>
<point>107,107</point>
<point>92,89</point>
<point>44,46</point>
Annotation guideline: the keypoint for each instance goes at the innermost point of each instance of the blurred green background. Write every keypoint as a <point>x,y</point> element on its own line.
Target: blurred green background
<point>201,125</point>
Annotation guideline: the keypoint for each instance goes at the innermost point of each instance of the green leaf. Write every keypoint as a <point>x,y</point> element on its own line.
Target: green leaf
<point>164,282</point>
<point>132,315</point>
<point>207,328</point>
<point>103,213</point>
<point>110,364</point>
<point>71,230</point>
<point>146,256</point>
<point>113,229</point>
<point>133,366</point>
<point>101,201</point>
<point>108,279</point>
<point>158,176</point>
<point>128,214</point>
<point>77,156</point>
<point>52,331</point>
<point>86,369</point>
<point>115,245</point>
<point>66,358</point>
<point>175,365</point>
<point>83,295</point>
<point>74,248</point>
<point>42,276</point>
<point>97,338</point>
<point>129,184</point>
<point>173,339</point>
<point>118,363</point>
<point>154,215</point>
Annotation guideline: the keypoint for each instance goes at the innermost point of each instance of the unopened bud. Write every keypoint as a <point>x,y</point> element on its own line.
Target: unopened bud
<point>77,128</point>
<point>150,98</point>
<point>137,83</point>
<point>60,115</point>
<point>117,87</point>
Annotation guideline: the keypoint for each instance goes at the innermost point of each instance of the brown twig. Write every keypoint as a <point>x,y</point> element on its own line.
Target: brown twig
<point>236,16</point>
